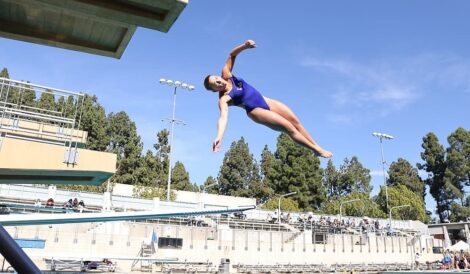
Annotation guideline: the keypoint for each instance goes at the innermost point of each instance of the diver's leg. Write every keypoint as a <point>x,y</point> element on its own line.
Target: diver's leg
<point>289,115</point>
<point>276,122</point>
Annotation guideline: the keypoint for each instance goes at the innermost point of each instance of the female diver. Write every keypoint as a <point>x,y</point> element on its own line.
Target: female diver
<point>263,110</point>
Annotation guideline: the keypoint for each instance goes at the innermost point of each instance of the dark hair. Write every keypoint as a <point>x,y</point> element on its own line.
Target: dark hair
<point>206,83</point>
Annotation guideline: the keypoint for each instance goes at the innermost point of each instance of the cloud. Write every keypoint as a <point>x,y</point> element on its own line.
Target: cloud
<point>381,88</point>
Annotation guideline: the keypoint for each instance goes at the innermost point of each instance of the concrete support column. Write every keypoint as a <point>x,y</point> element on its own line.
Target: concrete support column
<point>467,233</point>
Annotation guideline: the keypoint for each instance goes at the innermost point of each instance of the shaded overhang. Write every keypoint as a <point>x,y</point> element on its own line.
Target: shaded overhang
<point>98,27</point>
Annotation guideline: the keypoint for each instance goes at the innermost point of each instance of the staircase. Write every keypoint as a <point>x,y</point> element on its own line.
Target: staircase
<point>146,251</point>
<point>291,228</point>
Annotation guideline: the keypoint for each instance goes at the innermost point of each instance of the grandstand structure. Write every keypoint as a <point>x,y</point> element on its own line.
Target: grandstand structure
<point>247,243</point>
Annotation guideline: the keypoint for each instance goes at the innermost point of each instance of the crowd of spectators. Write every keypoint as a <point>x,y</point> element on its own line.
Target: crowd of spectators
<point>332,224</point>
<point>451,260</point>
<point>73,204</point>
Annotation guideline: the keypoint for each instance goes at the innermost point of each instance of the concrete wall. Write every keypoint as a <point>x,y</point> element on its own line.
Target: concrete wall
<point>121,239</point>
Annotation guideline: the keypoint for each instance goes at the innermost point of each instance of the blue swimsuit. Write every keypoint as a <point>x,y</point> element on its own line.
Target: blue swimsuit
<point>243,93</point>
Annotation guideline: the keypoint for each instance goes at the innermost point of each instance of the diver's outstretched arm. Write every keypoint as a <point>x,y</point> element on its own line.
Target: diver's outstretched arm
<point>221,123</point>
<point>227,69</point>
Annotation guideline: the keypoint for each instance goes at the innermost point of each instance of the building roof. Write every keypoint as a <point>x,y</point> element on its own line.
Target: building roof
<point>92,26</point>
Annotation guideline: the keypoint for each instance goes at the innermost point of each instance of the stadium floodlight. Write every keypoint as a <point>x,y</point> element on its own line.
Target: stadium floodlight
<point>341,206</point>
<point>173,120</point>
<point>279,205</point>
<point>390,214</point>
<point>382,136</point>
<point>204,188</point>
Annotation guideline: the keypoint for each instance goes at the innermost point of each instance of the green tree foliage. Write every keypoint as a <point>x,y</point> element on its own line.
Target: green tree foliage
<point>352,176</point>
<point>4,73</point>
<point>46,101</point>
<point>180,178</point>
<point>448,170</point>
<point>459,212</point>
<point>402,172</point>
<point>331,179</point>
<point>126,143</point>
<point>355,176</point>
<point>287,204</point>
<point>210,186</point>
<point>27,96</point>
<point>162,148</point>
<point>239,171</point>
<point>297,169</point>
<point>400,195</point>
<point>365,206</point>
<point>435,165</point>
<point>67,106</point>
<point>10,94</point>
<point>94,122</point>
<point>152,192</point>
<point>458,162</point>
<point>148,171</point>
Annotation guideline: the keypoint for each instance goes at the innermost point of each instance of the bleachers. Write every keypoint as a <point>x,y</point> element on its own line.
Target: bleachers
<point>187,267</point>
<point>82,265</point>
<point>320,268</point>
<point>250,224</point>
<point>22,205</point>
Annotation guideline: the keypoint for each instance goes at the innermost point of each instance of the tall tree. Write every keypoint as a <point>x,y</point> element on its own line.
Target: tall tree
<point>402,172</point>
<point>46,101</point>
<point>332,181</point>
<point>180,178</point>
<point>435,165</point>
<point>126,143</point>
<point>355,176</point>
<point>297,170</point>
<point>239,170</point>
<point>363,206</point>
<point>458,162</point>
<point>4,73</point>
<point>94,122</point>
<point>400,195</point>
<point>148,171</point>
<point>27,96</point>
<point>162,148</point>
<point>210,186</point>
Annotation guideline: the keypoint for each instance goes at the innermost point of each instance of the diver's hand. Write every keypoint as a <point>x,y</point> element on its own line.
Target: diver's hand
<point>250,44</point>
<point>216,145</point>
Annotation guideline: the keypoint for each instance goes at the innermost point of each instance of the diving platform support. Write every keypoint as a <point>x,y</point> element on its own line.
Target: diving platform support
<point>15,255</point>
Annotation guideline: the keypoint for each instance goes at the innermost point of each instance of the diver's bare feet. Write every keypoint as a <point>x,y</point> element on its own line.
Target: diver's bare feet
<point>325,154</point>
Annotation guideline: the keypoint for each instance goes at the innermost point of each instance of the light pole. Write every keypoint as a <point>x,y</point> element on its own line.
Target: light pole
<point>204,188</point>
<point>177,84</point>
<point>390,214</point>
<point>382,136</point>
<point>345,202</point>
<point>279,205</point>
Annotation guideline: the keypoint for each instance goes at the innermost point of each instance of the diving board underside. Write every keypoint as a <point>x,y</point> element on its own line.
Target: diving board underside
<point>93,26</point>
<point>26,162</point>
<point>69,218</point>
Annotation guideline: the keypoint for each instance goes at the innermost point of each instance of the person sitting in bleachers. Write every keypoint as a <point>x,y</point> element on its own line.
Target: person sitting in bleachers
<point>50,202</point>
<point>81,206</point>
<point>37,203</point>
<point>75,203</point>
<point>68,204</point>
